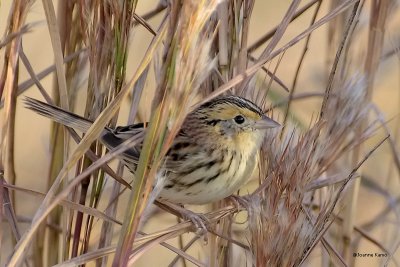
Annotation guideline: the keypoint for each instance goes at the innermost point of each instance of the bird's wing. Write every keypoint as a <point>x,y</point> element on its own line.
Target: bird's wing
<point>181,150</point>
<point>120,134</point>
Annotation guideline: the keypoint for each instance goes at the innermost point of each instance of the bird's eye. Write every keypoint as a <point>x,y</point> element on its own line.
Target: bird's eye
<point>239,119</point>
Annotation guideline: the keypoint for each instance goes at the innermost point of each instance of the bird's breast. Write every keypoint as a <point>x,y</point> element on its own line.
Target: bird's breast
<point>208,176</point>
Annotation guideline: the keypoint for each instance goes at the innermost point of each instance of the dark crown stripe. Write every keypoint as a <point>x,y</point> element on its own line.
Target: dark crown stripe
<point>235,100</point>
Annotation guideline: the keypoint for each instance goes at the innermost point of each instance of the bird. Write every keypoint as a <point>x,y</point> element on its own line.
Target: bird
<point>211,157</point>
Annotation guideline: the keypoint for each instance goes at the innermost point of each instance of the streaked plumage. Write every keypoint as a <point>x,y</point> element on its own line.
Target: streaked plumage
<point>211,157</point>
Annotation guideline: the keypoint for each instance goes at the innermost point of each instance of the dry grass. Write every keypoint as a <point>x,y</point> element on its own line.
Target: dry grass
<point>303,202</point>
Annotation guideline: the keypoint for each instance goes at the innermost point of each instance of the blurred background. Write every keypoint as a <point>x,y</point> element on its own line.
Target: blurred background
<point>376,213</point>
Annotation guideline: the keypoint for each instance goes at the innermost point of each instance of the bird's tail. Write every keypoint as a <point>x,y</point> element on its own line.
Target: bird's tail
<point>61,116</point>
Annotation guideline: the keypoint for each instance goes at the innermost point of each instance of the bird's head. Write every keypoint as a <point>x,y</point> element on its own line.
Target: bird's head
<point>231,119</point>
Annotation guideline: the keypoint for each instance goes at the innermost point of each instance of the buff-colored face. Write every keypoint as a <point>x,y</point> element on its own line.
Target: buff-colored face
<point>233,119</point>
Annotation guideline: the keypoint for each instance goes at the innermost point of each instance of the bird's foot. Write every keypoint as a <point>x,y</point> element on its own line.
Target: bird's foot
<point>199,220</point>
<point>240,202</point>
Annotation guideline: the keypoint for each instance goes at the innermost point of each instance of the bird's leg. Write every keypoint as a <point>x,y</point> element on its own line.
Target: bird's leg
<point>199,220</point>
<point>240,202</point>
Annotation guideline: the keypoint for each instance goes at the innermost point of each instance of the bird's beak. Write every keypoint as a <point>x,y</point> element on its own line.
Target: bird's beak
<point>266,123</point>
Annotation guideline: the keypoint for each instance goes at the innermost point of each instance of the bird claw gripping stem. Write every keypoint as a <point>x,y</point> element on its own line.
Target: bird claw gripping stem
<point>199,221</point>
<point>240,202</point>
